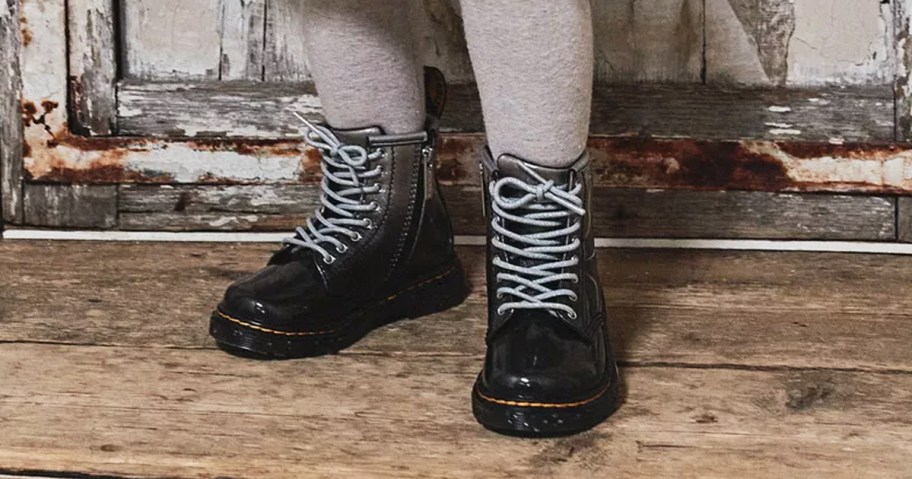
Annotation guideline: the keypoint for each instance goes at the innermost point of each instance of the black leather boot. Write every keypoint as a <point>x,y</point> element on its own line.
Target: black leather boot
<point>548,369</point>
<point>380,249</point>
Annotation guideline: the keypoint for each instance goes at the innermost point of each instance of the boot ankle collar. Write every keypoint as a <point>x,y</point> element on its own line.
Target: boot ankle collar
<point>375,137</point>
<point>510,165</point>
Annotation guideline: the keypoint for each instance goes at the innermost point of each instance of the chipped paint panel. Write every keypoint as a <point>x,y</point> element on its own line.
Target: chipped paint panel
<point>799,42</point>
<point>55,155</point>
<point>753,165</point>
<point>285,52</point>
<point>71,159</point>
<point>619,162</point>
<point>841,42</point>
<point>11,144</point>
<point>249,109</point>
<point>241,32</point>
<point>92,66</point>
<point>169,39</point>
<point>902,31</point>
<point>215,109</point>
<point>648,40</point>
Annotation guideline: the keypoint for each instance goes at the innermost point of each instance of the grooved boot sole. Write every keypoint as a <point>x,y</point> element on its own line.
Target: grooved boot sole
<point>241,338</point>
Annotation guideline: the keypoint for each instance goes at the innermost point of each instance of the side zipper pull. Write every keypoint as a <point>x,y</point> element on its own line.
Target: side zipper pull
<point>484,191</point>
<point>427,156</point>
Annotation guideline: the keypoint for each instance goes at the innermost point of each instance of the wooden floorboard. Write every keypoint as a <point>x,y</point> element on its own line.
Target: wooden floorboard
<point>744,364</point>
<point>180,413</point>
<point>808,310</point>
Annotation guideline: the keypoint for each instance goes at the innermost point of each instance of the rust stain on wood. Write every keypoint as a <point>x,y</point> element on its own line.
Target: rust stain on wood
<point>26,32</point>
<point>59,155</point>
<point>691,163</point>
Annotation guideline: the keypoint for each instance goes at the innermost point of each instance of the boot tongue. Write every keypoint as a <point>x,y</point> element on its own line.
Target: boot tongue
<point>511,166</point>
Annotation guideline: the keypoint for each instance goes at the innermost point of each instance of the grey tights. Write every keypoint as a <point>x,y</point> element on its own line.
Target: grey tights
<point>533,62</point>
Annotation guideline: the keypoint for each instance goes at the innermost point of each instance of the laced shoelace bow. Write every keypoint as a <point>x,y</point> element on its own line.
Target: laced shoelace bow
<point>538,260</point>
<point>345,188</point>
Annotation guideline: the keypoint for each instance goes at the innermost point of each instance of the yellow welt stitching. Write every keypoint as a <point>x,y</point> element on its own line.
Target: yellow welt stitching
<point>330,331</point>
<point>274,331</point>
<point>505,402</point>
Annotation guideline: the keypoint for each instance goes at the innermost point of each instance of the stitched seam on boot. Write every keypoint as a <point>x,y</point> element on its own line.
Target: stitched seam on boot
<point>552,405</point>
<point>413,195</point>
<point>330,331</point>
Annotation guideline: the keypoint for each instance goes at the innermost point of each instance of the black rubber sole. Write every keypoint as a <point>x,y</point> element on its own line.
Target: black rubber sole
<point>433,295</point>
<point>533,419</point>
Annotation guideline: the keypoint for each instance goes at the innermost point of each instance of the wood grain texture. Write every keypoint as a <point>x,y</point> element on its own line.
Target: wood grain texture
<point>779,42</point>
<point>695,308</point>
<point>902,84</point>
<point>188,414</point>
<point>70,206</point>
<point>242,34</point>
<point>904,218</point>
<point>649,40</point>
<point>285,49</point>
<point>616,212</point>
<point>746,363</point>
<point>11,141</point>
<point>706,112</point>
<point>215,109</point>
<point>748,42</point>
<point>171,39</point>
<point>91,45</point>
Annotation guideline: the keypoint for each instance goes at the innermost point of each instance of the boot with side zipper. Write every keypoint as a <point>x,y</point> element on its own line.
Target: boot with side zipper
<point>548,370</point>
<point>380,249</point>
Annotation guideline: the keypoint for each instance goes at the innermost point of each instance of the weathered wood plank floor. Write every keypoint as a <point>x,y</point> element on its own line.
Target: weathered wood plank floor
<point>735,364</point>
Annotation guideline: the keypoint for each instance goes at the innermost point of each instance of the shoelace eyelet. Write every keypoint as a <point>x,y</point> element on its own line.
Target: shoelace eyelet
<point>329,259</point>
<point>572,315</point>
<point>375,206</point>
<point>357,237</point>
<point>369,225</point>
<point>341,249</point>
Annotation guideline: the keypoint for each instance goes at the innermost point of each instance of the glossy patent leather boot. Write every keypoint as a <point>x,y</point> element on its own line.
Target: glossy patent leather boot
<point>548,369</point>
<point>380,249</point>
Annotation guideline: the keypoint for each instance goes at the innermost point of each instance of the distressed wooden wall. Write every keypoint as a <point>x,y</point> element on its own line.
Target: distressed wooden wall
<point>769,42</point>
<point>173,114</point>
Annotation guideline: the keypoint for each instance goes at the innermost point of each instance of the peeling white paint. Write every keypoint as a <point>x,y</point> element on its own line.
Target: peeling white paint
<point>841,42</point>
<point>187,165</point>
<point>784,132</point>
<point>894,171</point>
<point>780,109</point>
<point>227,220</point>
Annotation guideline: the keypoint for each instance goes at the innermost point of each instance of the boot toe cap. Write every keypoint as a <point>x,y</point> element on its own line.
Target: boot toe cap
<point>541,362</point>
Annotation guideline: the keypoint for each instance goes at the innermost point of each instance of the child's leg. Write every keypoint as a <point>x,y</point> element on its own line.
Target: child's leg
<point>362,57</point>
<point>533,62</point>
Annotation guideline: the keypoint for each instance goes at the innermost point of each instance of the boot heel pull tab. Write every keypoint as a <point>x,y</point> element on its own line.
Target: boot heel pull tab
<point>435,92</point>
